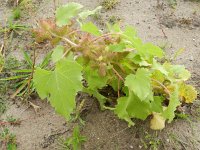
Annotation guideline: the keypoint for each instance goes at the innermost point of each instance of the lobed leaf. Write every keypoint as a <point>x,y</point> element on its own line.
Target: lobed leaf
<point>60,86</point>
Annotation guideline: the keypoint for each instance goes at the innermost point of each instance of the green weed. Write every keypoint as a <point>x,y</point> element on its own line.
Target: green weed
<point>172,3</point>
<point>109,4</point>
<point>16,13</point>
<point>3,105</point>
<point>12,120</point>
<point>13,26</point>
<point>8,140</point>
<point>75,140</point>
<point>182,116</point>
<point>23,76</point>
<point>151,141</point>
<point>114,20</point>
<point>1,60</point>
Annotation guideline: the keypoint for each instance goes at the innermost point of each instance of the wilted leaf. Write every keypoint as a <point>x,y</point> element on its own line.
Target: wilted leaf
<point>187,93</point>
<point>157,122</point>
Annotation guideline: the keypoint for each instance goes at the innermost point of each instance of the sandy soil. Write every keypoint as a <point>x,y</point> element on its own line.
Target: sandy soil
<point>155,22</point>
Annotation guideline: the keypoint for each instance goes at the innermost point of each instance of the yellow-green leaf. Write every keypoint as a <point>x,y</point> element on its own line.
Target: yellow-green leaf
<point>187,93</point>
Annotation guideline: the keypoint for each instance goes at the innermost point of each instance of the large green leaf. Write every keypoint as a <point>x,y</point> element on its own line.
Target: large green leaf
<point>66,12</point>
<point>137,108</point>
<point>132,107</point>
<point>140,83</point>
<point>60,86</point>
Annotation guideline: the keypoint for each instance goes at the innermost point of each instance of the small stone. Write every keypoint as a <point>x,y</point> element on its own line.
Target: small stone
<point>191,58</point>
<point>131,146</point>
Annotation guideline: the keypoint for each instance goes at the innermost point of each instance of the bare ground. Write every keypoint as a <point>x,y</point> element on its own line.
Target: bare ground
<point>155,22</point>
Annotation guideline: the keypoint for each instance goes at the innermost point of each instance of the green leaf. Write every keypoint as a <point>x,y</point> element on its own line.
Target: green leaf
<point>41,81</point>
<point>156,105</point>
<point>139,83</point>
<point>84,14</point>
<point>137,59</point>
<point>11,146</point>
<point>27,58</point>
<point>114,28</point>
<point>130,31</point>
<point>120,110</point>
<point>159,67</point>
<point>117,47</point>
<point>132,107</point>
<point>66,12</point>
<point>137,108</point>
<point>94,80</point>
<point>57,53</point>
<point>173,103</point>
<point>91,28</point>
<point>60,86</point>
<point>150,49</point>
<point>130,37</point>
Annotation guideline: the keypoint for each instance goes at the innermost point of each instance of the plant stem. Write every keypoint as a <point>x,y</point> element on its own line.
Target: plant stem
<point>167,91</point>
<point>119,76</point>
<point>104,35</point>
<point>64,38</point>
